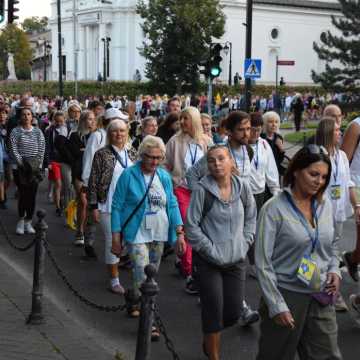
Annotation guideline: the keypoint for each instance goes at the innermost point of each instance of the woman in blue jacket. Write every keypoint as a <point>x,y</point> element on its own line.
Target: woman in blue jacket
<point>145,212</point>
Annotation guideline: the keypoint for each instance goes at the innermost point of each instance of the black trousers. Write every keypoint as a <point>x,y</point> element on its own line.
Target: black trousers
<point>26,197</point>
<point>221,293</point>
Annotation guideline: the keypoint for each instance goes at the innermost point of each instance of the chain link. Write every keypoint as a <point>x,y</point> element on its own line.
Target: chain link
<point>8,239</point>
<point>168,343</point>
<point>75,292</point>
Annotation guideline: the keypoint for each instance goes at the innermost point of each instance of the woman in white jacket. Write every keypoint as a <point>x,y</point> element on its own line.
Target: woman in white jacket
<point>341,189</point>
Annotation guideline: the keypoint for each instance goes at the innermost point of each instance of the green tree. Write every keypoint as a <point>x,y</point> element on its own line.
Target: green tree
<point>15,41</point>
<point>35,24</point>
<point>178,35</point>
<point>341,51</point>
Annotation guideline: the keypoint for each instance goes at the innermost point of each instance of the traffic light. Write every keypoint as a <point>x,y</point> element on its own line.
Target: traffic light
<point>2,10</point>
<point>12,10</point>
<point>215,60</point>
<point>205,68</point>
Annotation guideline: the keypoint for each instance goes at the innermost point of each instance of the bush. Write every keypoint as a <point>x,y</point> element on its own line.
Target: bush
<point>129,88</point>
<point>299,137</point>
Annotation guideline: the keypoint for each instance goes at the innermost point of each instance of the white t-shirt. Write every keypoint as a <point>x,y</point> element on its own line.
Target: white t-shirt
<point>193,154</point>
<point>155,223</point>
<point>106,207</point>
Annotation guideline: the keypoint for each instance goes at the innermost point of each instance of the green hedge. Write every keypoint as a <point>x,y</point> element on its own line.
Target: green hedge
<point>296,137</point>
<point>129,88</point>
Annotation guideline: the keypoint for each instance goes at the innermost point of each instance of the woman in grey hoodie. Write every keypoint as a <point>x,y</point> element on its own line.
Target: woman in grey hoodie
<point>220,227</point>
<point>297,261</point>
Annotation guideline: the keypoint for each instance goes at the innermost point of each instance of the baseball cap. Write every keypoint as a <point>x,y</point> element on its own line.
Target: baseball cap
<point>114,113</point>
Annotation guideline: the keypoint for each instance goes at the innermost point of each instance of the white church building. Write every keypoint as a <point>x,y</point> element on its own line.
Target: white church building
<point>283,28</point>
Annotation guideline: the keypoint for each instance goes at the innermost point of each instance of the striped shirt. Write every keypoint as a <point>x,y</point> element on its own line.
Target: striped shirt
<point>26,144</point>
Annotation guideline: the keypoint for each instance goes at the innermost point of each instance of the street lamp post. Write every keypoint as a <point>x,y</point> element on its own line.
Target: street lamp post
<point>47,47</point>
<point>61,85</point>
<point>108,39</point>
<point>249,11</point>
<point>227,47</point>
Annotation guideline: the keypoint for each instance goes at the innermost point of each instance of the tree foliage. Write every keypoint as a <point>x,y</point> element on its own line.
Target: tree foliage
<point>341,51</point>
<point>177,36</point>
<point>35,24</point>
<point>15,41</point>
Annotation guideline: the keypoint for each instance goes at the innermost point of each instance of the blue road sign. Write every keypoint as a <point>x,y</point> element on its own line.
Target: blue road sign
<point>252,68</point>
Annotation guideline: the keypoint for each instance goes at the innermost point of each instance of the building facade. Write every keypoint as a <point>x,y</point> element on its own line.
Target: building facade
<point>283,28</point>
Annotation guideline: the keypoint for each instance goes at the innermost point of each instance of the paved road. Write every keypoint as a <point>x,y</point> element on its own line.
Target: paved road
<point>180,312</point>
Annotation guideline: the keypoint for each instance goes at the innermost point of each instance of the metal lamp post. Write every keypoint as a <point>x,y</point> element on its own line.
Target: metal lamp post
<point>104,62</point>
<point>108,39</point>
<point>227,47</point>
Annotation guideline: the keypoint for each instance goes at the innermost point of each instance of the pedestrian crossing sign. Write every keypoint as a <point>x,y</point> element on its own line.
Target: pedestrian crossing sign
<point>252,68</point>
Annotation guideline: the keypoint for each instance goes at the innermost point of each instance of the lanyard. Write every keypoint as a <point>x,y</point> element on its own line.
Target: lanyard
<point>304,222</point>
<point>124,164</point>
<point>148,186</point>
<point>234,157</point>
<point>336,160</point>
<point>193,156</point>
<point>256,158</point>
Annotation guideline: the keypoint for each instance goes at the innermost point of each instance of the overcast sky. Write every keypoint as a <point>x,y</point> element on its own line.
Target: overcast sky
<point>30,8</point>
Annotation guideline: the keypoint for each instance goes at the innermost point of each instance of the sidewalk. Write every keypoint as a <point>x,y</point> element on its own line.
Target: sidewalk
<point>58,339</point>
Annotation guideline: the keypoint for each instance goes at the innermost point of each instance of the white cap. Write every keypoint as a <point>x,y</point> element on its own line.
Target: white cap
<point>114,113</point>
<point>74,103</point>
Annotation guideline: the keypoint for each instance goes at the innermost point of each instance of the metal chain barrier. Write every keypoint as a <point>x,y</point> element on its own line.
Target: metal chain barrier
<point>75,292</point>
<point>168,343</point>
<point>14,246</point>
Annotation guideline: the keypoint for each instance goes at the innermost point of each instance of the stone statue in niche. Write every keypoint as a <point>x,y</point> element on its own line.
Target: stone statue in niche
<point>11,67</point>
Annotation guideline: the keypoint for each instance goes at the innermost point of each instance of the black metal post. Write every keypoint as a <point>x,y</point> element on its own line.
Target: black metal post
<point>108,56</point>
<point>276,75</point>
<point>149,289</point>
<point>61,85</point>
<point>230,65</point>
<point>45,54</point>
<point>249,10</point>
<point>104,62</point>
<point>36,316</point>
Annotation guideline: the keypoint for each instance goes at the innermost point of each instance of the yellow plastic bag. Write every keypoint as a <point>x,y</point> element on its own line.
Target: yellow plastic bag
<point>71,212</point>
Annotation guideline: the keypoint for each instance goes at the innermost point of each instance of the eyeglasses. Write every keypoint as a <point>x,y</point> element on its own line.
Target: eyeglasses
<point>316,149</point>
<point>155,158</point>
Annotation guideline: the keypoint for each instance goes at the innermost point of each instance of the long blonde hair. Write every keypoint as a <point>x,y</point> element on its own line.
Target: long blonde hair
<point>194,114</point>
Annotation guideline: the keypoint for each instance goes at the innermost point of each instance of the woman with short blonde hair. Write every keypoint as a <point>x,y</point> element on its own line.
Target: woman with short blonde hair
<point>183,150</point>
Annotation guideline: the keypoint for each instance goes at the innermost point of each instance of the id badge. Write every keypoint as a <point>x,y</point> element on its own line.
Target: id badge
<point>150,220</point>
<point>335,192</point>
<point>306,270</point>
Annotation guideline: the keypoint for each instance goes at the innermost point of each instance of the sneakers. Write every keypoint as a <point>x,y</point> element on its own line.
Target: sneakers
<point>20,227</point>
<point>90,252</point>
<point>28,228</point>
<point>58,212</point>
<point>351,267</point>
<point>116,288</point>
<point>354,309</point>
<point>248,316</point>
<point>340,304</point>
<point>79,239</point>
<point>191,287</point>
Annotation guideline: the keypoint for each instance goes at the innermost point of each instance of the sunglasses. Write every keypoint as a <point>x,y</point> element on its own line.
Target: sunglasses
<point>316,149</point>
<point>155,158</point>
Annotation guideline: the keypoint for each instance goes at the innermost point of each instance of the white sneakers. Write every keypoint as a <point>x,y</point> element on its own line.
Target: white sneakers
<point>24,227</point>
<point>20,227</point>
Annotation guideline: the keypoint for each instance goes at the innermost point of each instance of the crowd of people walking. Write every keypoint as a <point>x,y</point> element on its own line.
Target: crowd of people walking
<point>160,175</point>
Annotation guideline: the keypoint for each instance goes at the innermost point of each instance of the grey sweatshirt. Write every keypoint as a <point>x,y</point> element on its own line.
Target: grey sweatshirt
<point>224,235</point>
<point>282,241</point>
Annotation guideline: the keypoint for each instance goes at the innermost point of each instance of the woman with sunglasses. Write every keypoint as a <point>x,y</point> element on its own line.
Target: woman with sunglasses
<point>183,151</point>
<point>144,214</point>
<point>341,189</point>
<point>297,261</point>
<point>220,227</point>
